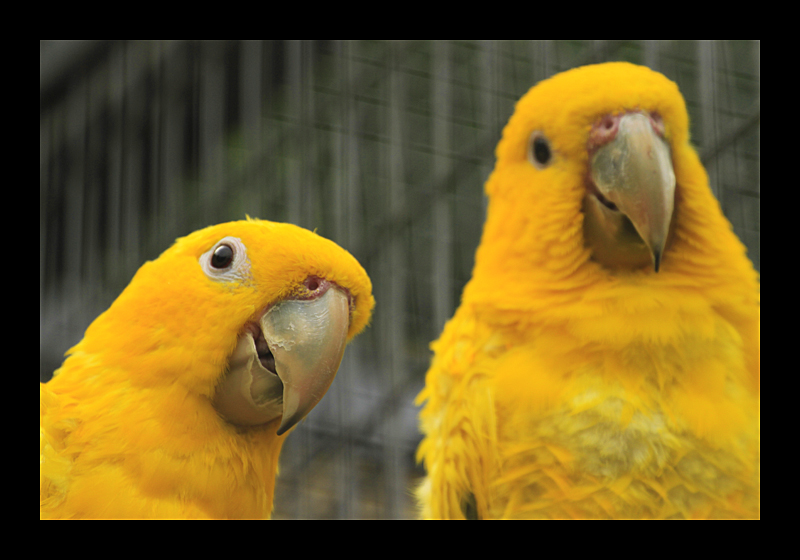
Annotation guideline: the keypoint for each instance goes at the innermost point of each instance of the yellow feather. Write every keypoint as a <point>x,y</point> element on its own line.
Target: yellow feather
<point>565,389</point>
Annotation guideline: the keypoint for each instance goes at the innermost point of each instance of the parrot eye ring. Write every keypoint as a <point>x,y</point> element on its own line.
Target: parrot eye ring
<point>539,152</point>
<point>226,260</point>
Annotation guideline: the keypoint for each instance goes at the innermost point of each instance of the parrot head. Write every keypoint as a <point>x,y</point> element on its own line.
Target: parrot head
<point>595,148</point>
<point>252,317</point>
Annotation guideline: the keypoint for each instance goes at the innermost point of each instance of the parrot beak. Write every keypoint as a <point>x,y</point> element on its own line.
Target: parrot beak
<point>284,364</point>
<point>631,197</point>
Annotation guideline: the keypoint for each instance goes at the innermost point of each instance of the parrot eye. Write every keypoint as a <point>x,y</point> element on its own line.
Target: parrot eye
<point>226,260</point>
<point>222,257</point>
<point>539,152</point>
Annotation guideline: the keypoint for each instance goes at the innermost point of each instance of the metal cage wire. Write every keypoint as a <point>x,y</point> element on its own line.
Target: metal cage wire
<point>381,146</point>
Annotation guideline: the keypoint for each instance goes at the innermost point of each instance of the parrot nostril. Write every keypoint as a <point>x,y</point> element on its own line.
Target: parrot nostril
<point>312,283</point>
<point>603,131</point>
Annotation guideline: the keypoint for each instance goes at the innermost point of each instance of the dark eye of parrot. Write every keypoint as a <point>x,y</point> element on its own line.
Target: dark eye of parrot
<point>226,261</point>
<point>539,152</point>
<point>222,257</point>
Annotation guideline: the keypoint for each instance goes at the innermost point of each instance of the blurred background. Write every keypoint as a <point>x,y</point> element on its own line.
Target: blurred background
<point>381,146</point>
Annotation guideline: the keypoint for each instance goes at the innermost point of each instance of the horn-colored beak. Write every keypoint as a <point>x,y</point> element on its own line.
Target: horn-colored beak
<point>628,217</point>
<point>284,366</point>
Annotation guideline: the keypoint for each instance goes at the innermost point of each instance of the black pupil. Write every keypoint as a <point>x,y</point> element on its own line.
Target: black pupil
<point>541,151</point>
<point>222,257</point>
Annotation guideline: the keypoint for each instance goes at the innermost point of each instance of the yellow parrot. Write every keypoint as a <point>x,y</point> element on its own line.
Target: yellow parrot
<point>605,359</point>
<point>176,402</point>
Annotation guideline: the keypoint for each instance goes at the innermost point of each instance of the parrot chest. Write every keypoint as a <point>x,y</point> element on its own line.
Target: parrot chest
<point>586,445</point>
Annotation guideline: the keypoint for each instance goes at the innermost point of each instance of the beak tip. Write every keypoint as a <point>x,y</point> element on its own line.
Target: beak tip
<point>289,421</point>
<point>291,416</point>
<point>656,260</point>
